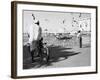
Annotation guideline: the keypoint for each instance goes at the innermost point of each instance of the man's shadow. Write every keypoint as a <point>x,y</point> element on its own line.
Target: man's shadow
<point>58,53</point>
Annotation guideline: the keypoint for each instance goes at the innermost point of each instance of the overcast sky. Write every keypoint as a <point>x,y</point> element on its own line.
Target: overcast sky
<point>53,21</point>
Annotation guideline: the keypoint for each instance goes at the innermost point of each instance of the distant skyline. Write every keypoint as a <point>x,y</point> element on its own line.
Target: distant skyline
<point>54,21</point>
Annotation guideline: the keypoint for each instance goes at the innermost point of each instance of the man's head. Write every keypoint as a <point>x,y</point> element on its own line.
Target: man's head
<point>79,31</point>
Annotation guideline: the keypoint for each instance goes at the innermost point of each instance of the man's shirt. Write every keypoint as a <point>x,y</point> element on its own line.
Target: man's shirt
<point>35,32</point>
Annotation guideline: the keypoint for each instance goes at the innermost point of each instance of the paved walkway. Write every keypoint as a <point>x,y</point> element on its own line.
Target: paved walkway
<point>63,57</point>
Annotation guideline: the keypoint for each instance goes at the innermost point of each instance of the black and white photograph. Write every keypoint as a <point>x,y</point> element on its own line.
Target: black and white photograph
<point>53,39</point>
<point>56,39</point>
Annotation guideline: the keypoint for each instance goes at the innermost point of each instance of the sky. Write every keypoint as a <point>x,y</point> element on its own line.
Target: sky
<point>54,22</point>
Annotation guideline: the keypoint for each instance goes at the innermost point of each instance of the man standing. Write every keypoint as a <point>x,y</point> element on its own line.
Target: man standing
<point>35,34</point>
<point>79,35</point>
<point>79,38</point>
